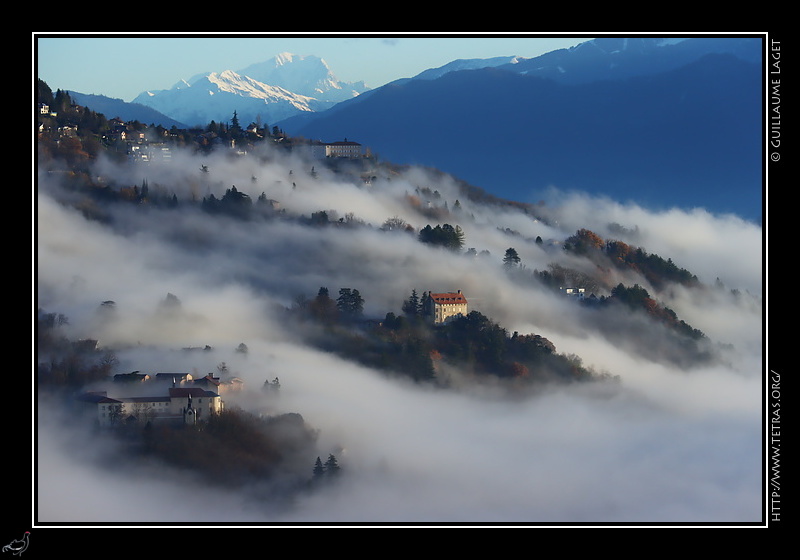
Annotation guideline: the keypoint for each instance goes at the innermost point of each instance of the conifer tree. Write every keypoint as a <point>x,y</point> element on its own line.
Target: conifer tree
<point>350,303</point>
<point>511,259</point>
<point>319,470</point>
<point>423,304</point>
<point>332,467</point>
<point>412,304</point>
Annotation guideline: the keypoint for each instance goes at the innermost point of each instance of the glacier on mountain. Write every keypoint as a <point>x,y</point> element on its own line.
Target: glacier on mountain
<point>305,75</point>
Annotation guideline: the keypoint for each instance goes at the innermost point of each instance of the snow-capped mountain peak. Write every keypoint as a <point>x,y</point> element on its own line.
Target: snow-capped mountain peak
<point>267,91</point>
<point>232,82</point>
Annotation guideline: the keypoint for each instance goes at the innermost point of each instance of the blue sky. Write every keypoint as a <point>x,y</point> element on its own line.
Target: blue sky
<point>124,66</point>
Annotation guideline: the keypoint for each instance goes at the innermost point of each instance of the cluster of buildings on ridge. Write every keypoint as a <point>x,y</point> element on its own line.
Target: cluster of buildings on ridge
<point>141,149</point>
<point>175,398</point>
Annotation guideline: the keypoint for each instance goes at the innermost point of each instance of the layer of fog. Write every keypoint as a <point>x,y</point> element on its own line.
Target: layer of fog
<point>664,445</point>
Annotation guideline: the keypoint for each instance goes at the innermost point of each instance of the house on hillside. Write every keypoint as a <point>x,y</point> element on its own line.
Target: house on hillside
<point>578,293</point>
<point>344,149</point>
<point>44,110</point>
<point>209,382</point>
<point>443,307</point>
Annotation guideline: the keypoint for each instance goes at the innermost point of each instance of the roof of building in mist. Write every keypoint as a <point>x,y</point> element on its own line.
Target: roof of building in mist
<point>448,298</point>
<point>193,391</point>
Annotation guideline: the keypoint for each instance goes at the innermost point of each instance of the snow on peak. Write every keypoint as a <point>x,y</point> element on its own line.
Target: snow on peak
<point>284,58</point>
<point>228,75</point>
<point>233,82</point>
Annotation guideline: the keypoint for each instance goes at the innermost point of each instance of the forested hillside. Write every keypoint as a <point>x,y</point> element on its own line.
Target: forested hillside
<point>320,270</point>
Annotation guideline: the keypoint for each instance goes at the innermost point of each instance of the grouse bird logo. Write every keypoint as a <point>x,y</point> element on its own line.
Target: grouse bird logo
<point>18,546</point>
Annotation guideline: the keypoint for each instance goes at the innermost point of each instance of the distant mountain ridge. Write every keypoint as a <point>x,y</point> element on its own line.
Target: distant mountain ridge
<point>467,64</point>
<point>662,123</point>
<point>112,107</point>
<point>614,58</point>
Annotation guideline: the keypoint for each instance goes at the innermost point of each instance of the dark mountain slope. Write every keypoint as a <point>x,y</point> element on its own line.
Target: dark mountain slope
<point>689,137</point>
<point>614,58</point>
<point>112,107</point>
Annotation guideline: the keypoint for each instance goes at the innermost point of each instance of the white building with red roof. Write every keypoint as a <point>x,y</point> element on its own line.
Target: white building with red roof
<point>443,307</point>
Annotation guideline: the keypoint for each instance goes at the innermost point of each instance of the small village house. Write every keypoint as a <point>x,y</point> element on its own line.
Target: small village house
<point>578,293</point>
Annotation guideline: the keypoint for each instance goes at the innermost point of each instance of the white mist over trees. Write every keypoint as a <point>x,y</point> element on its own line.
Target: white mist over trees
<point>245,238</point>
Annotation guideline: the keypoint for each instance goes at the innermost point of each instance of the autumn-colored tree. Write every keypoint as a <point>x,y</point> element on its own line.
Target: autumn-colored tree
<point>584,241</point>
<point>618,251</point>
<point>71,149</point>
<point>518,370</point>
